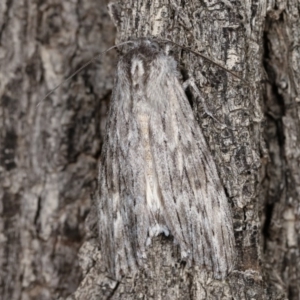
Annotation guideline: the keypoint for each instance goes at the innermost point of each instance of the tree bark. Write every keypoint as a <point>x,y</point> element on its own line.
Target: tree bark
<point>282,180</point>
<point>49,153</point>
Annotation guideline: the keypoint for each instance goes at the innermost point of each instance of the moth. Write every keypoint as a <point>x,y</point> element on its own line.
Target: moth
<point>157,174</point>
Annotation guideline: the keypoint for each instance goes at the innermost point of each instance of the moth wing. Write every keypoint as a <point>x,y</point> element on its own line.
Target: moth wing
<point>123,212</point>
<point>156,171</point>
<point>195,207</point>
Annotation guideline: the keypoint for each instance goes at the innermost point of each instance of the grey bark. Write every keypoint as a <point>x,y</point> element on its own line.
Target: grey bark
<point>49,154</point>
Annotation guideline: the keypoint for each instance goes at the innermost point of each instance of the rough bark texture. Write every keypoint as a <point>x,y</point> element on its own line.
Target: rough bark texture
<point>282,133</point>
<point>49,154</point>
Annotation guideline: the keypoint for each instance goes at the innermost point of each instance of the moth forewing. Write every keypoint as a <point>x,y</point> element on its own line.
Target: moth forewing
<point>157,174</point>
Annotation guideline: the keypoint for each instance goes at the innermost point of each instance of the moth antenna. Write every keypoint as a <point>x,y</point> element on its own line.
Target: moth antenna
<point>207,59</point>
<point>80,69</point>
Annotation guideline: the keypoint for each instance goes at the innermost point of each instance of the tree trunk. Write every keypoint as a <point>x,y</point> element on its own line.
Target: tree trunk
<point>49,153</point>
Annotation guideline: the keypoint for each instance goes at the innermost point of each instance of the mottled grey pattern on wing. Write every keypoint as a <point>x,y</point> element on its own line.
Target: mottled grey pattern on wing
<point>157,174</point>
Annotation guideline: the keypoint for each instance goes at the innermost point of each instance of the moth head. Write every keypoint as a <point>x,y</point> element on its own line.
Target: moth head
<point>143,45</point>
